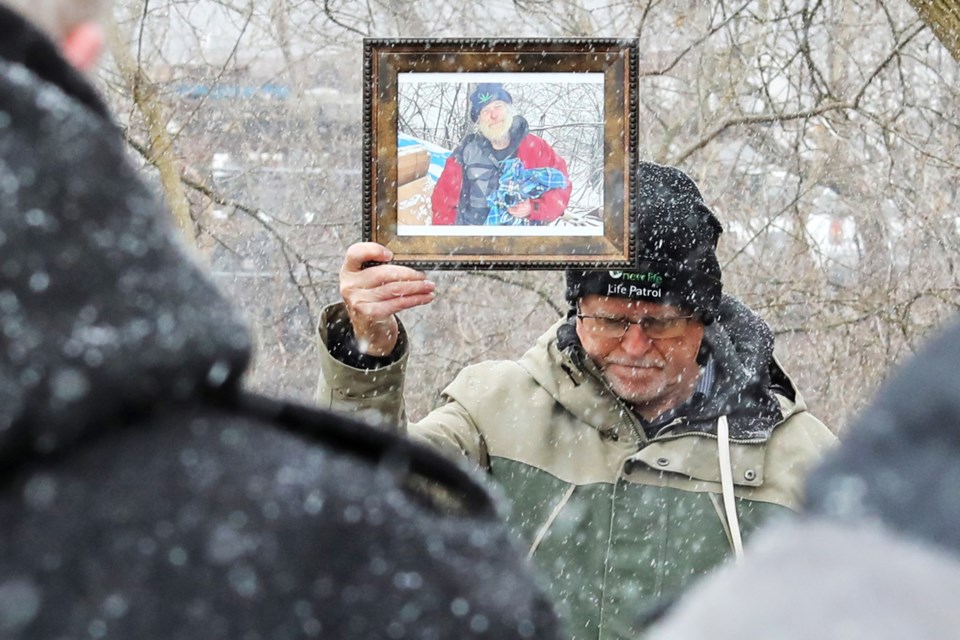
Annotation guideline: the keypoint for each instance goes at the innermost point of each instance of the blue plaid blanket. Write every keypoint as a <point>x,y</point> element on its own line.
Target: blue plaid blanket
<point>518,184</point>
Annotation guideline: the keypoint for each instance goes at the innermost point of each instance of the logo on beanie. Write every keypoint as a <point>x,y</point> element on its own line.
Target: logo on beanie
<point>637,285</point>
<point>484,97</point>
<point>650,277</point>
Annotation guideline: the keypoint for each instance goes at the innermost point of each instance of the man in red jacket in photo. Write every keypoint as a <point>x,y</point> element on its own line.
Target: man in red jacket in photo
<point>472,182</point>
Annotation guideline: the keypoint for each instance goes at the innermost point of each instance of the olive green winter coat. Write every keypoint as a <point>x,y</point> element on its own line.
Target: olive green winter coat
<point>618,522</point>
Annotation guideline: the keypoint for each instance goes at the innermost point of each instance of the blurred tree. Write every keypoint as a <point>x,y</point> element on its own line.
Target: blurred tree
<point>824,132</point>
<point>159,148</point>
<point>943,17</point>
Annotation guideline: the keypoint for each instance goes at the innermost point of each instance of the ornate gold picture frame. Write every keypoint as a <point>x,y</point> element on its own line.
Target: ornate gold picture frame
<point>501,154</point>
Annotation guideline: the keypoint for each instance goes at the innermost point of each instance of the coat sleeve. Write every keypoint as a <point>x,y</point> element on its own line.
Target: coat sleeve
<point>446,193</point>
<point>376,395</point>
<point>536,153</point>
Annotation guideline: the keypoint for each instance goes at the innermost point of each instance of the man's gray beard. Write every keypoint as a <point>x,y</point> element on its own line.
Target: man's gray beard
<point>501,138</point>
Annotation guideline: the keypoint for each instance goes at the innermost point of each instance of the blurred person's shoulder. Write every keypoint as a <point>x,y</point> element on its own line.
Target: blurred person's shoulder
<point>247,509</point>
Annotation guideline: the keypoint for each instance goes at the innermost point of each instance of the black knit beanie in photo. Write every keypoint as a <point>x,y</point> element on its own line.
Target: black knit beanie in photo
<point>676,243</point>
<point>484,94</point>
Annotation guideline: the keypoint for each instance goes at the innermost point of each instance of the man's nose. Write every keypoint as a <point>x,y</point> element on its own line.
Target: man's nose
<point>635,341</point>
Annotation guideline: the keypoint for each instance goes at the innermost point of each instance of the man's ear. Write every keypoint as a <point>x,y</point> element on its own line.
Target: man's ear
<point>83,44</point>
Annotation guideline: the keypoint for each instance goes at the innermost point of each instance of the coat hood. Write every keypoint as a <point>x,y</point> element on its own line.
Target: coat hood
<point>750,387</point>
<point>748,376</point>
<point>102,313</point>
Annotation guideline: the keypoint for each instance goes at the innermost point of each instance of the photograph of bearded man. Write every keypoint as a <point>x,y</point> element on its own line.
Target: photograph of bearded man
<point>500,174</point>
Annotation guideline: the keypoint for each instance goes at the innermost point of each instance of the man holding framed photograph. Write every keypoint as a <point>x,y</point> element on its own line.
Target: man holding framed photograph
<point>502,174</point>
<point>640,440</point>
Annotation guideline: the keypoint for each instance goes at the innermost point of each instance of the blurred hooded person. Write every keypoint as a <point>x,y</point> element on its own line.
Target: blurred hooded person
<point>143,493</point>
<point>501,173</point>
<point>641,439</point>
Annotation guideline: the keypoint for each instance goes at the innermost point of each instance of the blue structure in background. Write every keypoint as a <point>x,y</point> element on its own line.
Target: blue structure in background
<point>233,91</point>
<point>438,155</point>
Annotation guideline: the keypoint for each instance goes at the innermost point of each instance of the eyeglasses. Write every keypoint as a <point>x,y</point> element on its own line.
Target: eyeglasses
<point>654,328</point>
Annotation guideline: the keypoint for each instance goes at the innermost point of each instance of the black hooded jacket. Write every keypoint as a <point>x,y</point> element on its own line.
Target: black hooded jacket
<point>143,493</point>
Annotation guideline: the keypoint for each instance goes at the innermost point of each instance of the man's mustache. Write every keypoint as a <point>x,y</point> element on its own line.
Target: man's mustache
<point>643,364</point>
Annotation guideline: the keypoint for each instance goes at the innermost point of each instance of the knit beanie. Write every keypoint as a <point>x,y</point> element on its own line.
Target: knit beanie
<point>676,245</point>
<point>484,94</point>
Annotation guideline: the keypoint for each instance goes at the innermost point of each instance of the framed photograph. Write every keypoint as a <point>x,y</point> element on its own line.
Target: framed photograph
<point>501,154</point>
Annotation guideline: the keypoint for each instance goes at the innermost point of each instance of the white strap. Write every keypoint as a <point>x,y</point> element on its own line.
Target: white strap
<point>726,484</point>
<point>542,533</point>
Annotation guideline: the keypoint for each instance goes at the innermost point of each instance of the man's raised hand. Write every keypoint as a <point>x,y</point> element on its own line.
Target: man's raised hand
<point>373,290</point>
